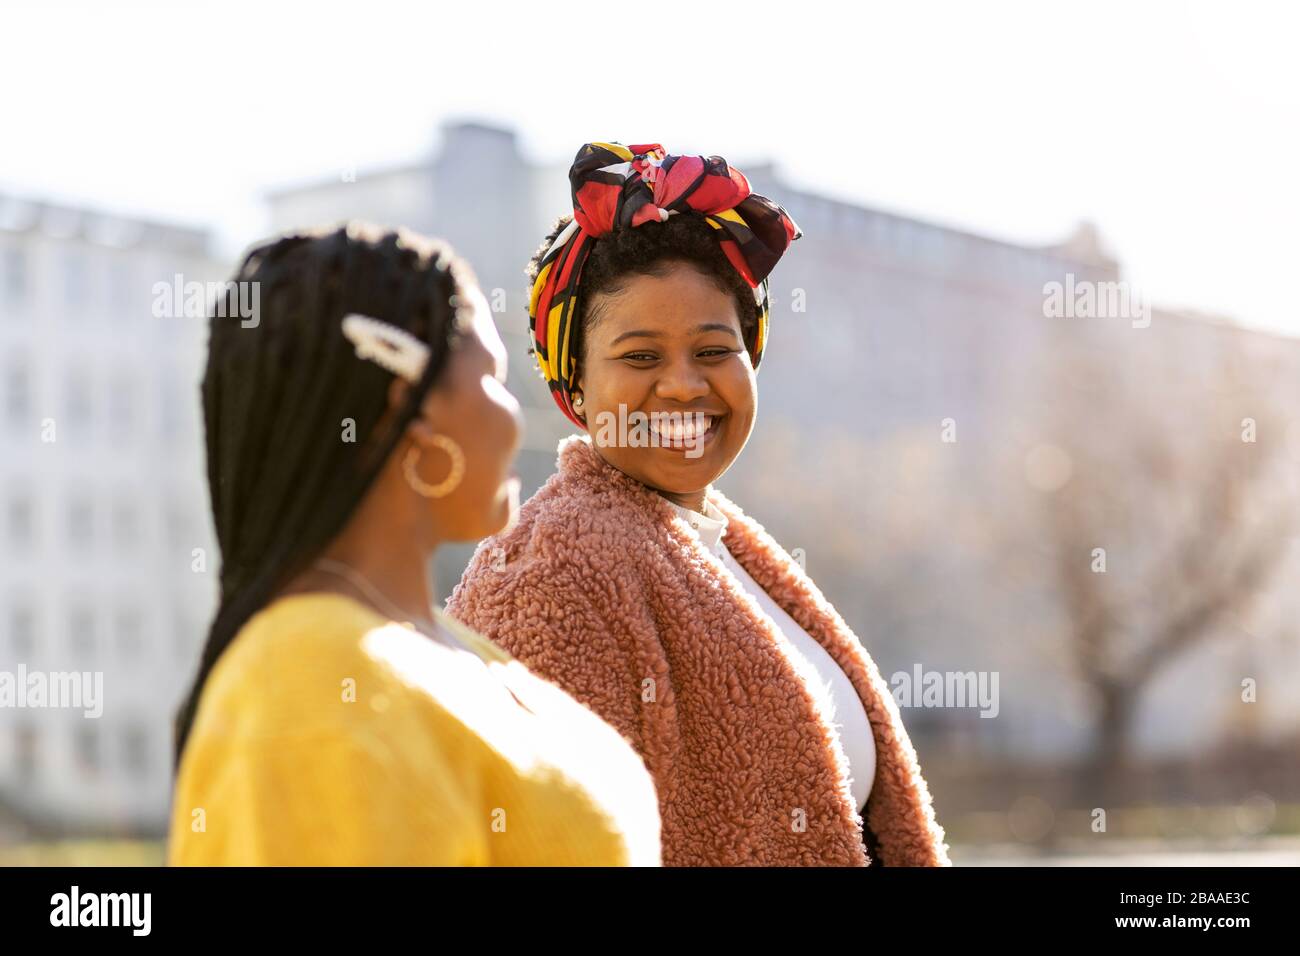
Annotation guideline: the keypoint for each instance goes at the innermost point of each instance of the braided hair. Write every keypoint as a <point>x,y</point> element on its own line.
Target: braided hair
<point>279,393</point>
<point>649,250</point>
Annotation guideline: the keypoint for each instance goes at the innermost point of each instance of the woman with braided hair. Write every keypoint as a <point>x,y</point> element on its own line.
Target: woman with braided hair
<point>637,586</point>
<point>337,717</point>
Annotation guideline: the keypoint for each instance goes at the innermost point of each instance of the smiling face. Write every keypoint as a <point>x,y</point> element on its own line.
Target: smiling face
<point>668,348</point>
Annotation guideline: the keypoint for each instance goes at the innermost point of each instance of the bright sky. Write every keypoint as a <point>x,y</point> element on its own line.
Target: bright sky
<point>1175,127</point>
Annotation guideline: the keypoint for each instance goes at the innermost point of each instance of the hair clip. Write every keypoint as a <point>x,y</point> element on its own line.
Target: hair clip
<point>395,349</point>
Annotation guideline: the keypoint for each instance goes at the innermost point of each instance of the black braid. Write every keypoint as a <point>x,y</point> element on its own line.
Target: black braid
<point>283,482</point>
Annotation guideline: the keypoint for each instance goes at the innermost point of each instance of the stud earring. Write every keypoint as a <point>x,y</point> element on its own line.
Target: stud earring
<point>448,484</point>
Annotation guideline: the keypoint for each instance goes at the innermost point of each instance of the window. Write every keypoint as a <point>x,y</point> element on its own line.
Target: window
<point>25,751</point>
<point>81,633</point>
<point>21,521</point>
<point>15,276</point>
<point>121,407</point>
<point>122,297</point>
<point>18,394</point>
<point>81,521</point>
<point>22,631</point>
<point>77,402</point>
<point>135,748</point>
<point>130,632</point>
<point>86,745</point>
<point>75,287</point>
<point>126,525</point>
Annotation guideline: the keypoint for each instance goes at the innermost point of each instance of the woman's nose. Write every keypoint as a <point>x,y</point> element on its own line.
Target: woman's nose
<point>681,382</point>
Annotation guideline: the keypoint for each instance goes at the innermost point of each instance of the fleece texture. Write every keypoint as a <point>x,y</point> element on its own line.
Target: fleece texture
<point>602,588</point>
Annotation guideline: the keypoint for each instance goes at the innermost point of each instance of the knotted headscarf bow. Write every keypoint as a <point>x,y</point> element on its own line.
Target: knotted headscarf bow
<point>620,187</point>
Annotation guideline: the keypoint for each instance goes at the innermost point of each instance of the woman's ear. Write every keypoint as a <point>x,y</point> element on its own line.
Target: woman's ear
<point>577,391</point>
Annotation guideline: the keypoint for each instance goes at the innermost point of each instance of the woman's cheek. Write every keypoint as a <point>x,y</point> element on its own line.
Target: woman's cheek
<point>508,412</point>
<point>500,430</point>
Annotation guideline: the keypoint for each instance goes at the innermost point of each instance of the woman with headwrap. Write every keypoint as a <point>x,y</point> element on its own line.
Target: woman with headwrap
<point>637,586</point>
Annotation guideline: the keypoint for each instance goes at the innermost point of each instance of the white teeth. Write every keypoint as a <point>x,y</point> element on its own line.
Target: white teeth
<point>687,430</point>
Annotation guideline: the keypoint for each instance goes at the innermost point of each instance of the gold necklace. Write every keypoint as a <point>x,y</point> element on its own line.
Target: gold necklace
<point>358,580</point>
<point>387,605</point>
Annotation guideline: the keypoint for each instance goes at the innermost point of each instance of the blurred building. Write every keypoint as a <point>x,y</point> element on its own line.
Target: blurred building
<point>102,505</point>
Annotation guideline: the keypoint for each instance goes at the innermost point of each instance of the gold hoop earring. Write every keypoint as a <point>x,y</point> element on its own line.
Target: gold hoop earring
<point>448,484</point>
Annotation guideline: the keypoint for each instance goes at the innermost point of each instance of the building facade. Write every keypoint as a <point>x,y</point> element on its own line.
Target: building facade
<point>104,568</point>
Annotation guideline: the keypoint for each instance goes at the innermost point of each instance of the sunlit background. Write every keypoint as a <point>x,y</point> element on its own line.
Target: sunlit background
<point>1100,510</point>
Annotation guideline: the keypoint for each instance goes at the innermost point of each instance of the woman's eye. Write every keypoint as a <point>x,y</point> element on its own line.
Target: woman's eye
<point>716,352</point>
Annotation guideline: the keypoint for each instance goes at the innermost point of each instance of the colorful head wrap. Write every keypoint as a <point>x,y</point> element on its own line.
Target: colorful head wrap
<point>620,187</point>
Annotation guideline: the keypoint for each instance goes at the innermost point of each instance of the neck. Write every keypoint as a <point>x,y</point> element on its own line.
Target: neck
<point>398,575</point>
<point>395,567</point>
<point>694,500</point>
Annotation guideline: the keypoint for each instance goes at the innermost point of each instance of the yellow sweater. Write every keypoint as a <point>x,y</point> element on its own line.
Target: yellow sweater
<point>327,734</point>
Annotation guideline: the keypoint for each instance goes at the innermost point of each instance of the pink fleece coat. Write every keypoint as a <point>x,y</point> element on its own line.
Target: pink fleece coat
<point>602,588</point>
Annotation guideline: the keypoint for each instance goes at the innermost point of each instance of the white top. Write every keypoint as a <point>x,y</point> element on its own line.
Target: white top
<point>831,688</point>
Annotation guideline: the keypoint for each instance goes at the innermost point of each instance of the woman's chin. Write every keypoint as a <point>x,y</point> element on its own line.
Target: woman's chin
<point>499,515</point>
<point>683,472</point>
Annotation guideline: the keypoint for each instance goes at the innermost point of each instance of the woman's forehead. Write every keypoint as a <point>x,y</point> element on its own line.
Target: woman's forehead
<point>674,303</point>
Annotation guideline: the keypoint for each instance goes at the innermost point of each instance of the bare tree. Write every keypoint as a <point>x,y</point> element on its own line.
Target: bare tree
<point>1170,522</point>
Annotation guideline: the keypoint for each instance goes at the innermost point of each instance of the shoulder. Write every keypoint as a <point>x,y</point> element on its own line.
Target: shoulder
<point>305,665</point>
<point>302,633</point>
<point>588,499</point>
<point>323,736</point>
<point>322,681</point>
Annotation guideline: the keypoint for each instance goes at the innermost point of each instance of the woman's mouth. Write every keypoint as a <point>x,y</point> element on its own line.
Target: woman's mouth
<point>688,433</point>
